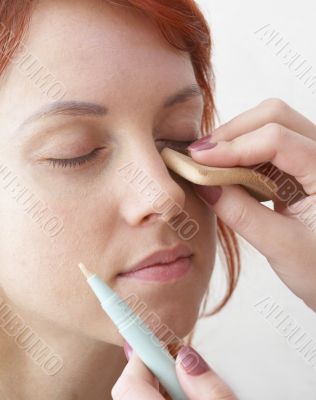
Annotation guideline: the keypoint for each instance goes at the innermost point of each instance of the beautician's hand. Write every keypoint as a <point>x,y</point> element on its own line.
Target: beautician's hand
<point>199,383</point>
<point>286,236</point>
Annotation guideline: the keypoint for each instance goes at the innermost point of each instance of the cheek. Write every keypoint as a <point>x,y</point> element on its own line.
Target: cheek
<point>35,265</point>
<point>207,235</point>
<point>205,239</point>
<point>40,276</point>
<point>205,220</point>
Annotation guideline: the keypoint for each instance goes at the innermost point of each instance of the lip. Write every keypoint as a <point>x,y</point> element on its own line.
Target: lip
<point>162,272</point>
<point>162,265</point>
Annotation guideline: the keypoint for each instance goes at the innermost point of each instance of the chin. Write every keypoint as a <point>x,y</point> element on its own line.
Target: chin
<point>177,327</point>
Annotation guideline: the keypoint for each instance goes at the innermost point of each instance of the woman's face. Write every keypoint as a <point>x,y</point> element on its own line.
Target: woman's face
<point>115,59</point>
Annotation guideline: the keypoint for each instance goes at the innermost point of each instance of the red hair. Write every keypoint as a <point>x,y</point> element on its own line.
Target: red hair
<point>183,25</point>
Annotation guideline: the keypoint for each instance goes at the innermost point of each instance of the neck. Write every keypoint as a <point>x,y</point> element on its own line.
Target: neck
<point>79,367</point>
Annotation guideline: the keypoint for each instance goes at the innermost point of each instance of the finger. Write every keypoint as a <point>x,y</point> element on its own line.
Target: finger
<point>271,233</point>
<point>136,382</point>
<point>270,110</point>
<point>198,380</point>
<point>287,150</point>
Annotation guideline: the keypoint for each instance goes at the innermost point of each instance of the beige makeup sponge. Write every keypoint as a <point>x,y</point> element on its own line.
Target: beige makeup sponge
<point>258,185</point>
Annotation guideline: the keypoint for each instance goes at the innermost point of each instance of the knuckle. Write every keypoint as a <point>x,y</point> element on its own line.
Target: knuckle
<point>239,217</point>
<point>274,109</point>
<point>277,134</point>
<point>238,149</point>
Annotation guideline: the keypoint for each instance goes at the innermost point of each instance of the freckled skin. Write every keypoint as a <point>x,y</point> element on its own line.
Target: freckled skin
<point>112,57</point>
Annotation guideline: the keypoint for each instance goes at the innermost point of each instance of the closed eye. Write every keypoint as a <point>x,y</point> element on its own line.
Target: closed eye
<point>74,162</point>
<point>177,145</point>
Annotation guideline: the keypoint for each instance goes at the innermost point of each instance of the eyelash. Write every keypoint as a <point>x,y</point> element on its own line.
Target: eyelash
<point>177,145</point>
<point>74,162</point>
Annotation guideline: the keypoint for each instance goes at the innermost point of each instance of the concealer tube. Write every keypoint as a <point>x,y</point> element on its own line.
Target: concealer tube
<point>133,329</point>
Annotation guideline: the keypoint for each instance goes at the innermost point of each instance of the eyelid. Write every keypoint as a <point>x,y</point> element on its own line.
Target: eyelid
<point>73,162</point>
<point>178,145</point>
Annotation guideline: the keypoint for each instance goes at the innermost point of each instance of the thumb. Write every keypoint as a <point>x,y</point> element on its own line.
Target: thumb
<point>258,224</point>
<point>198,380</point>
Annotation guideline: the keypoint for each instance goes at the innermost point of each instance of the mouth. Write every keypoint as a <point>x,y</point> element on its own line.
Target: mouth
<point>162,266</point>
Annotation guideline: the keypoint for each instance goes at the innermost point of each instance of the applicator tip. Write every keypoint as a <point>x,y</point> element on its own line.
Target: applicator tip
<point>85,270</point>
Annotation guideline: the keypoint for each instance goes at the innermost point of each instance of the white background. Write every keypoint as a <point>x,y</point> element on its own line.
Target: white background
<point>245,348</point>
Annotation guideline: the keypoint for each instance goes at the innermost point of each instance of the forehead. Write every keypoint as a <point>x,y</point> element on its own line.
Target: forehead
<point>99,52</point>
<point>94,43</point>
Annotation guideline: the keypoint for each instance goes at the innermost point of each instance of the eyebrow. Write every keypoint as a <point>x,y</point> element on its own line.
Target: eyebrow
<point>183,95</point>
<point>80,108</point>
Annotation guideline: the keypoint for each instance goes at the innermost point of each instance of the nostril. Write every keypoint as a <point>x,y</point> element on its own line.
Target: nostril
<point>151,218</point>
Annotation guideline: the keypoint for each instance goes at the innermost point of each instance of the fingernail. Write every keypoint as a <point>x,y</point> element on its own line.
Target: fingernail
<point>202,144</point>
<point>192,362</point>
<point>210,194</point>
<point>128,350</point>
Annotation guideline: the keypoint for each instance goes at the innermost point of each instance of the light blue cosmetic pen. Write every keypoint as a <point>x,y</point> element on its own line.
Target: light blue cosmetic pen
<point>137,334</point>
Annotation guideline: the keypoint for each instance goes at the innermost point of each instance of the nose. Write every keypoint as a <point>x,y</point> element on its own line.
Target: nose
<point>150,192</point>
